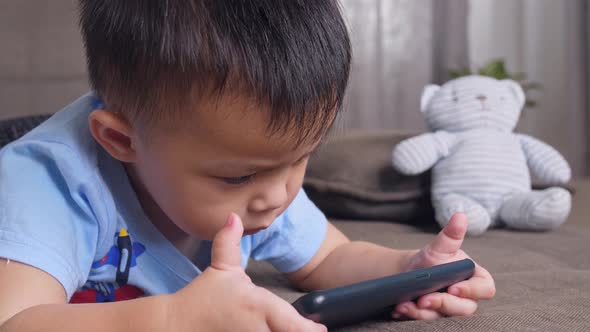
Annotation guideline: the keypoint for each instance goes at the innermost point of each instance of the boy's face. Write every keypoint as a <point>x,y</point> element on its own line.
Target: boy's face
<point>220,160</point>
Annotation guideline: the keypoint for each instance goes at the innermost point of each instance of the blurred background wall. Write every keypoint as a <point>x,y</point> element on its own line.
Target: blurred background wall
<point>41,57</point>
<point>399,46</point>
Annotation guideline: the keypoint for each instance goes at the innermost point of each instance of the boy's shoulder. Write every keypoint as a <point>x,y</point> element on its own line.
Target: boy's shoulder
<point>67,131</point>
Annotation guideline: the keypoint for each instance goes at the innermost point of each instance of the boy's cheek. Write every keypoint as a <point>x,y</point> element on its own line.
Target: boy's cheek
<point>202,218</point>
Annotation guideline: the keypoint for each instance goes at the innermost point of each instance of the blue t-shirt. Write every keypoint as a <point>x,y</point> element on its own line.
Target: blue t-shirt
<point>67,208</point>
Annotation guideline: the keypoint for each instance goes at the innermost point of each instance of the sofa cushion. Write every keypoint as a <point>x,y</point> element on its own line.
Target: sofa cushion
<point>351,176</point>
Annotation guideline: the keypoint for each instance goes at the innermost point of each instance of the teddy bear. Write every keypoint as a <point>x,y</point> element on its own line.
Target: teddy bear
<point>479,165</point>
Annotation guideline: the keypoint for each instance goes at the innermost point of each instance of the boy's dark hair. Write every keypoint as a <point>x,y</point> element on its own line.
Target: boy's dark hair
<point>150,58</point>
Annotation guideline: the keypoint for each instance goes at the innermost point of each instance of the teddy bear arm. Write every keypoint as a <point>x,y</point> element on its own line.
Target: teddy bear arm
<point>418,154</point>
<point>544,161</point>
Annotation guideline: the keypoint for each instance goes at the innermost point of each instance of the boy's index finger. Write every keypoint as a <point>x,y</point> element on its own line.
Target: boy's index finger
<point>450,238</point>
<point>226,254</point>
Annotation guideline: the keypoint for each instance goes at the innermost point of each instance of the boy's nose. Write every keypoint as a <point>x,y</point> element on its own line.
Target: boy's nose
<point>270,199</point>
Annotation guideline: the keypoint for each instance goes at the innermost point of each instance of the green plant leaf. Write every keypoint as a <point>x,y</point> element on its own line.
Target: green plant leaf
<point>495,69</point>
<point>460,72</point>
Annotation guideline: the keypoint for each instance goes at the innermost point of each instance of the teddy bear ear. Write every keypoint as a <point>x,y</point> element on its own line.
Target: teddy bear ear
<point>517,90</point>
<point>427,95</point>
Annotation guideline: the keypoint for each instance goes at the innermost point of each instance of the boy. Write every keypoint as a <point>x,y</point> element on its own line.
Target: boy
<point>202,110</point>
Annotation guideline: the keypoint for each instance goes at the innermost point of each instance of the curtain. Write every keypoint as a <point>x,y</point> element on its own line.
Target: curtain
<point>399,46</point>
<point>578,87</point>
<point>547,40</point>
<point>584,87</point>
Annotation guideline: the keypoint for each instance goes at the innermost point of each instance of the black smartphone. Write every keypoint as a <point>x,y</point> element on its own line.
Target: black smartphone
<point>367,299</point>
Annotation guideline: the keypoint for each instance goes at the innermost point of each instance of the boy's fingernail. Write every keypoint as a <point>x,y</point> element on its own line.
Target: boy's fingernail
<point>454,291</point>
<point>403,310</point>
<point>427,304</point>
<point>230,220</point>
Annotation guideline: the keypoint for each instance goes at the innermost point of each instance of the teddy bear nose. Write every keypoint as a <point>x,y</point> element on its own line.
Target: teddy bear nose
<point>481,98</point>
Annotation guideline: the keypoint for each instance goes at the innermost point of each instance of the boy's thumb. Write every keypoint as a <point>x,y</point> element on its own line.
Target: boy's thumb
<point>225,252</point>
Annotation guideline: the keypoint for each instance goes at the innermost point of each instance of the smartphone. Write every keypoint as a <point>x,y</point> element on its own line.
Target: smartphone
<point>368,299</point>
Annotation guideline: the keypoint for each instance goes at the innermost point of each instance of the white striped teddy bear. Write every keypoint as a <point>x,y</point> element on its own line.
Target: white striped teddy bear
<point>479,166</point>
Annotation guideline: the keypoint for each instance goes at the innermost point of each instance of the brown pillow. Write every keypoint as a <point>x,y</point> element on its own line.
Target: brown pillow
<point>351,177</point>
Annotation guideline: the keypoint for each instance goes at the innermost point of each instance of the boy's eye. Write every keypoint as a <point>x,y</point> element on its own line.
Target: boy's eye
<point>239,179</point>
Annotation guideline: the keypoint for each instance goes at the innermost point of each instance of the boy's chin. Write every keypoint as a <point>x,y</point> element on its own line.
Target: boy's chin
<point>252,231</point>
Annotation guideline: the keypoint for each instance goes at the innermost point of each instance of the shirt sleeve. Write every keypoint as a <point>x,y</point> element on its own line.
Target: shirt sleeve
<point>294,238</point>
<point>45,216</point>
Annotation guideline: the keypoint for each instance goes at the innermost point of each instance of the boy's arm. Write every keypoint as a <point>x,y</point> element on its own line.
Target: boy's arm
<point>341,262</point>
<point>42,306</point>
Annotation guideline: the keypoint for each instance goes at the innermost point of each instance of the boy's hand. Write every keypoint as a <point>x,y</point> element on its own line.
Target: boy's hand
<point>223,298</point>
<point>461,299</point>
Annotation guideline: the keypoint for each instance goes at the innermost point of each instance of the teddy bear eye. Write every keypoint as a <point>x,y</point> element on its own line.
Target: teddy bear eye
<point>455,98</point>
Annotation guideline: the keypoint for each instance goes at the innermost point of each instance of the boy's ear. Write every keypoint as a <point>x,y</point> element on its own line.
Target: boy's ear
<point>114,133</point>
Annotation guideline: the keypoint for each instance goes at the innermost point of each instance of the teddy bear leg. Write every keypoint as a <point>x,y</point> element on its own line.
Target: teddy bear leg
<point>478,217</point>
<point>537,210</point>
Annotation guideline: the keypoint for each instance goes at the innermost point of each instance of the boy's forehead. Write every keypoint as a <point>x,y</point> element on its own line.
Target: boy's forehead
<point>251,150</point>
<point>245,121</point>
<point>240,128</point>
<point>253,162</point>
